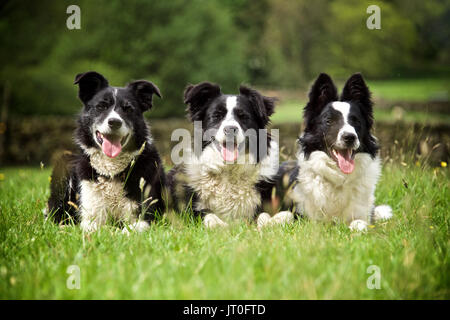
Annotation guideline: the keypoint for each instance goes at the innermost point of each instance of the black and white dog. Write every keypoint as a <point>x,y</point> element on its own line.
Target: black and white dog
<point>338,164</point>
<point>118,176</point>
<point>228,179</point>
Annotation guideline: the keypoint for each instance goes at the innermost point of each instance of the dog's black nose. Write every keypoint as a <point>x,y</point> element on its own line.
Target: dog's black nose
<point>348,138</point>
<point>114,123</point>
<point>230,131</point>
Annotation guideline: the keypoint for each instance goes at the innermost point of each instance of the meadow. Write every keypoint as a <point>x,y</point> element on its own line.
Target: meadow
<point>179,259</point>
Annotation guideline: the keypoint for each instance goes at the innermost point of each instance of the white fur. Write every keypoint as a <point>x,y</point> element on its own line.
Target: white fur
<point>344,108</point>
<point>211,221</point>
<point>109,166</point>
<point>103,128</point>
<point>228,190</point>
<point>103,199</point>
<point>283,217</point>
<point>358,225</point>
<point>382,212</point>
<point>229,120</point>
<point>263,220</point>
<point>138,226</point>
<point>323,192</point>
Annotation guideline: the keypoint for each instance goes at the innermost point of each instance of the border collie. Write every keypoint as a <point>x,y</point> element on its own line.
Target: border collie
<point>118,176</point>
<point>228,179</point>
<point>338,164</point>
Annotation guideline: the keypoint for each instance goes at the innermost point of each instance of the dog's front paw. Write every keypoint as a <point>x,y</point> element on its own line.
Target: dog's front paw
<point>89,226</point>
<point>263,220</point>
<point>139,226</point>
<point>282,217</point>
<point>211,221</point>
<point>358,225</point>
<point>383,212</point>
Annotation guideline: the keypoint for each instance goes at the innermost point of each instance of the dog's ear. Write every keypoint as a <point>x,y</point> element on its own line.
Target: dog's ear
<point>264,106</point>
<point>143,91</point>
<point>89,83</point>
<point>322,92</point>
<point>356,90</point>
<point>197,97</point>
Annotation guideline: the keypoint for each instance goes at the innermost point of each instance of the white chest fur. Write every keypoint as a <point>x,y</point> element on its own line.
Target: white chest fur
<point>323,192</point>
<point>228,190</point>
<point>105,198</point>
<point>107,166</point>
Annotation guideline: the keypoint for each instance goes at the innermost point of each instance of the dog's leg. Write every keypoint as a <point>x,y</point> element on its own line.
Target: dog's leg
<point>91,221</point>
<point>282,217</point>
<point>211,221</point>
<point>88,225</point>
<point>358,213</point>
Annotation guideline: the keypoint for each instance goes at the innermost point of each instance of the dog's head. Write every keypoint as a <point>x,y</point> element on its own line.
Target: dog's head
<point>112,118</point>
<point>228,120</point>
<point>341,127</point>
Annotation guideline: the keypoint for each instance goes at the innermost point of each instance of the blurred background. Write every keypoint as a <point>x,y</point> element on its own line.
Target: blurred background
<point>276,46</point>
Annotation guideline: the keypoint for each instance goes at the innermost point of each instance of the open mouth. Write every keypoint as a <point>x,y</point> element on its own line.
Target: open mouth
<point>111,144</point>
<point>345,159</point>
<point>228,149</point>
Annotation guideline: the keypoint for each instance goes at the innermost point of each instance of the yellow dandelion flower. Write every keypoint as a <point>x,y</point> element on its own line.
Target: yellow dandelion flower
<point>443,164</point>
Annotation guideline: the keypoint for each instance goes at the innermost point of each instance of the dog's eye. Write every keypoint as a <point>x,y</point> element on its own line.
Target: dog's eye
<point>101,106</point>
<point>217,116</point>
<point>127,107</point>
<point>355,120</point>
<point>241,115</point>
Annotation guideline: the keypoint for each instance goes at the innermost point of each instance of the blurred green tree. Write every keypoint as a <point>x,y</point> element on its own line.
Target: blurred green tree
<point>171,43</point>
<point>268,43</point>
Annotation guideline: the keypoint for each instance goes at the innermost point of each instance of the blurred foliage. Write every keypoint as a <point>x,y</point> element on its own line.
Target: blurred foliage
<point>276,43</point>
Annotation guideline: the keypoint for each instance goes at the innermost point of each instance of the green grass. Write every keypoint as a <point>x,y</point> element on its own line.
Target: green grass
<point>411,89</point>
<point>292,111</point>
<point>181,260</point>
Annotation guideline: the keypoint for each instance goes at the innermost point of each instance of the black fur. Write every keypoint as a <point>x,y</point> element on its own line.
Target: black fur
<point>206,103</point>
<point>322,121</point>
<point>71,169</point>
<point>322,124</point>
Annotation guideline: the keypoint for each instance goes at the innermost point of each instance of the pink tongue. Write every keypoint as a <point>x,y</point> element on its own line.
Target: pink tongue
<point>111,148</point>
<point>346,164</point>
<point>230,153</point>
